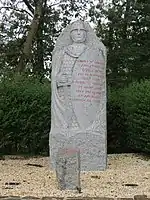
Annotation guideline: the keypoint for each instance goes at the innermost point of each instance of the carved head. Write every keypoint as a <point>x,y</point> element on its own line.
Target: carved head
<point>78,32</point>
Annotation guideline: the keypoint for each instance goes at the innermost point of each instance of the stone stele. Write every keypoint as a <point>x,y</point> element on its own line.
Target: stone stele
<point>78,101</point>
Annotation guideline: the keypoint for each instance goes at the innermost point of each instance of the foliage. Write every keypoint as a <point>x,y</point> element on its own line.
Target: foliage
<point>24,115</point>
<point>28,31</point>
<point>124,27</point>
<point>128,118</point>
<point>116,127</point>
<point>136,107</point>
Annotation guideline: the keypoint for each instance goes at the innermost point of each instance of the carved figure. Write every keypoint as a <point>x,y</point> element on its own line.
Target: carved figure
<point>78,86</point>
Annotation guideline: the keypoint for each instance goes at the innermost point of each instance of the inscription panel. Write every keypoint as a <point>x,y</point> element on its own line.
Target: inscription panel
<point>89,81</point>
<point>88,87</point>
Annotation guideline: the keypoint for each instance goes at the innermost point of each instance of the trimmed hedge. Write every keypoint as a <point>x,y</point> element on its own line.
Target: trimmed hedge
<point>116,127</point>
<point>24,116</point>
<point>136,106</point>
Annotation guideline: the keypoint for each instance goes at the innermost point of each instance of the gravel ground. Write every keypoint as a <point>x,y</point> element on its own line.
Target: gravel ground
<point>127,175</point>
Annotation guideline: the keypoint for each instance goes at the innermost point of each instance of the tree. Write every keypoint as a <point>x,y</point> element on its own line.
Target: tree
<point>124,28</point>
<point>34,26</point>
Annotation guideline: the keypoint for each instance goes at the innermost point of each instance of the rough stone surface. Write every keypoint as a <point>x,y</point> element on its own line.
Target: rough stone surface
<point>140,197</point>
<point>124,199</point>
<point>29,198</point>
<point>68,169</point>
<point>78,118</point>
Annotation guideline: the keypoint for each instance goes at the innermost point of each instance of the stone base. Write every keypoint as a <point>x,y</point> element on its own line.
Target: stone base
<point>92,148</point>
<point>68,169</point>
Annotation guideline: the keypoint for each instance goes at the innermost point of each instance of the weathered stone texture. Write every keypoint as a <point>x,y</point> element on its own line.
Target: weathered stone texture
<point>78,104</point>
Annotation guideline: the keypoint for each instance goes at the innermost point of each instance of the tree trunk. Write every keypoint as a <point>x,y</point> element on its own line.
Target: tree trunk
<point>27,47</point>
<point>126,19</point>
<point>39,66</point>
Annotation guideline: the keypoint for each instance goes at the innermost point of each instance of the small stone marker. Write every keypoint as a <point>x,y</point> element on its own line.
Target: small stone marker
<point>68,169</point>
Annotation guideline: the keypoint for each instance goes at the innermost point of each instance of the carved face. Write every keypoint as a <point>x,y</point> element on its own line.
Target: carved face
<point>78,32</point>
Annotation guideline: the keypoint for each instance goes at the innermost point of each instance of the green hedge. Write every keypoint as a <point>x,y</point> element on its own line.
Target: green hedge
<point>136,106</point>
<point>24,116</point>
<point>116,127</point>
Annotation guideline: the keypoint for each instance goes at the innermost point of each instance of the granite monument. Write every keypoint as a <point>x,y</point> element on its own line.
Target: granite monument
<point>78,101</point>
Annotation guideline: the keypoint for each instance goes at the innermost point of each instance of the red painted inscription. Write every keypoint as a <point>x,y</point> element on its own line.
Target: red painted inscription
<point>89,81</point>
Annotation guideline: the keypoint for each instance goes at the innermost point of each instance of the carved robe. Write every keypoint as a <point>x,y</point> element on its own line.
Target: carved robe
<point>78,107</point>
